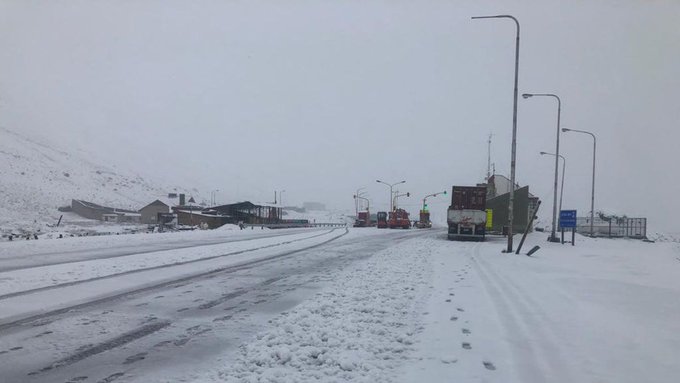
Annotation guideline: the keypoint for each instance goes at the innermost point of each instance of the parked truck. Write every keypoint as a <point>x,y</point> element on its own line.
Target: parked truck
<point>466,216</point>
<point>382,220</point>
<point>424,221</point>
<point>399,219</point>
<point>363,219</point>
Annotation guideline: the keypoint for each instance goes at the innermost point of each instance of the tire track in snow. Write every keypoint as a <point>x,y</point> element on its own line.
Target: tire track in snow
<point>520,314</point>
<point>106,346</point>
<point>163,247</point>
<point>66,284</point>
<point>227,269</point>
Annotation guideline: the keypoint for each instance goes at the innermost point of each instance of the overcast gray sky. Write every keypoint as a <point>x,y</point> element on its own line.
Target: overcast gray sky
<point>323,97</point>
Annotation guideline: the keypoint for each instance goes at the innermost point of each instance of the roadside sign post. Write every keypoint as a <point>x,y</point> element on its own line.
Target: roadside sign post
<point>568,220</point>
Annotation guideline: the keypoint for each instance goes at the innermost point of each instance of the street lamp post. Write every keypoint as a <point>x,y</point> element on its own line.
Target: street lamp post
<point>391,192</point>
<point>281,197</point>
<point>368,203</point>
<point>564,165</point>
<point>592,192</point>
<point>356,201</point>
<point>213,197</point>
<point>397,195</point>
<point>553,237</point>
<point>514,129</point>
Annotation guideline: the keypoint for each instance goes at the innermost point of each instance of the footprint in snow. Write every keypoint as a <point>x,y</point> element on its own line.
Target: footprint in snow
<point>465,331</point>
<point>135,358</point>
<point>449,360</point>
<point>453,319</point>
<point>489,366</point>
<point>466,346</point>
<point>460,309</point>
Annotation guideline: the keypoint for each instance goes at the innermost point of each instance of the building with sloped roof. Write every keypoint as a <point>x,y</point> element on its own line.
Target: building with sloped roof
<point>150,212</point>
<point>249,212</point>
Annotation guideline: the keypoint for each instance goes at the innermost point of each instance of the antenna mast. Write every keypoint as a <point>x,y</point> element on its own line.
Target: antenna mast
<point>488,163</point>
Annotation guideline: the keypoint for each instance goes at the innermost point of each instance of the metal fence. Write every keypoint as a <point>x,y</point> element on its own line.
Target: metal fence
<point>615,227</point>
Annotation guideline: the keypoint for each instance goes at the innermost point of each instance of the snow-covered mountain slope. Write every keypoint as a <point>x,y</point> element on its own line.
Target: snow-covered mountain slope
<point>36,177</point>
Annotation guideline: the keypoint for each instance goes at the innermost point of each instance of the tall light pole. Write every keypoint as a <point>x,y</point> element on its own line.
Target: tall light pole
<point>281,197</point>
<point>564,165</point>
<point>592,192</point>
<point>553,237</point>
<point>514,129</point>
<point>407,194</point>
<point>356,201</point>
<point>357,197</point>
<point>368,203</point>
<point>391,188</point>
<point>213,197</point>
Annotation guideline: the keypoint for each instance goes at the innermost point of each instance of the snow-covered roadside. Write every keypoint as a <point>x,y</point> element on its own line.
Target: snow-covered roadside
<point>462,333</point>
<point>41,277</point>
<point>360,328</point>
<point>430,310</point>
<point>18,307</point>
<point>20,248</point>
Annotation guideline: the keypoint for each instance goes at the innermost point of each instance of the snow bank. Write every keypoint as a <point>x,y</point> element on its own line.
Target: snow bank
<point>360,328</point>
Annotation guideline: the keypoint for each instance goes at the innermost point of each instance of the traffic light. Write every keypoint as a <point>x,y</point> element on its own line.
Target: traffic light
<point>408,194</point>
<point>425,207</point>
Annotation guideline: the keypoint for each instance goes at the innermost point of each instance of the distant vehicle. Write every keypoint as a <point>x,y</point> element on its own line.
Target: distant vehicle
<point>382,220</point>
<point>398,219</point>
<point>424,221</point>
<point>466,216</point>
<point>363,219</point>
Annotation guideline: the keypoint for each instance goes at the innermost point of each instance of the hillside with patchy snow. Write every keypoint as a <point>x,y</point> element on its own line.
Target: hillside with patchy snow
<point>36,178</point>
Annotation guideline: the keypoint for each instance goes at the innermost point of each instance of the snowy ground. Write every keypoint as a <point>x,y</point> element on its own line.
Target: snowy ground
<point>368,306</point>
<point>436,311</point>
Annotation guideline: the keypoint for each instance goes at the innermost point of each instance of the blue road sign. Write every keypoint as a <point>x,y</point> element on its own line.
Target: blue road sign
<point>567,218</point>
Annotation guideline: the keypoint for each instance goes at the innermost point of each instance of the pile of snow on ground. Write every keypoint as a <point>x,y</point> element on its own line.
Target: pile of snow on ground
<point>359,328</point>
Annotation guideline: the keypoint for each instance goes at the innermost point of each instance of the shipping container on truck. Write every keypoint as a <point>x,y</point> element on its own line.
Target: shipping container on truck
<point>466,216</point>
<point>382,220</point>
<point>399,219</point>
<point>424,222</point>
<point>363,219</point>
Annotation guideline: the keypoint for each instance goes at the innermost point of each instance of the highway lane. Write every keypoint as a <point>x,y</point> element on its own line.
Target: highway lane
<point>171,330</point>
<point>102,248</point>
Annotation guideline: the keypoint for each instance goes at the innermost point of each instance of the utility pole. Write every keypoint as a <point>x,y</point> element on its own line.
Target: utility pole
<point>513,154</point>
<point>488,161</point>
<point>391,191</point>
<point>553,236</point>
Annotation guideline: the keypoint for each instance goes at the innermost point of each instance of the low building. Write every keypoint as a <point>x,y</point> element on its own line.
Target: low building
<point>128,217</point>
<point>149,213</point>
<point>249,212</point>
<point>199,218</point>
<point>110,217</point>
<point>92,210</point>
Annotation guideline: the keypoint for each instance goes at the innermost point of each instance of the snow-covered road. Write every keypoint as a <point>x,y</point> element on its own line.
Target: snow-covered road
<point>371,306</point>
<point>135,323</point>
